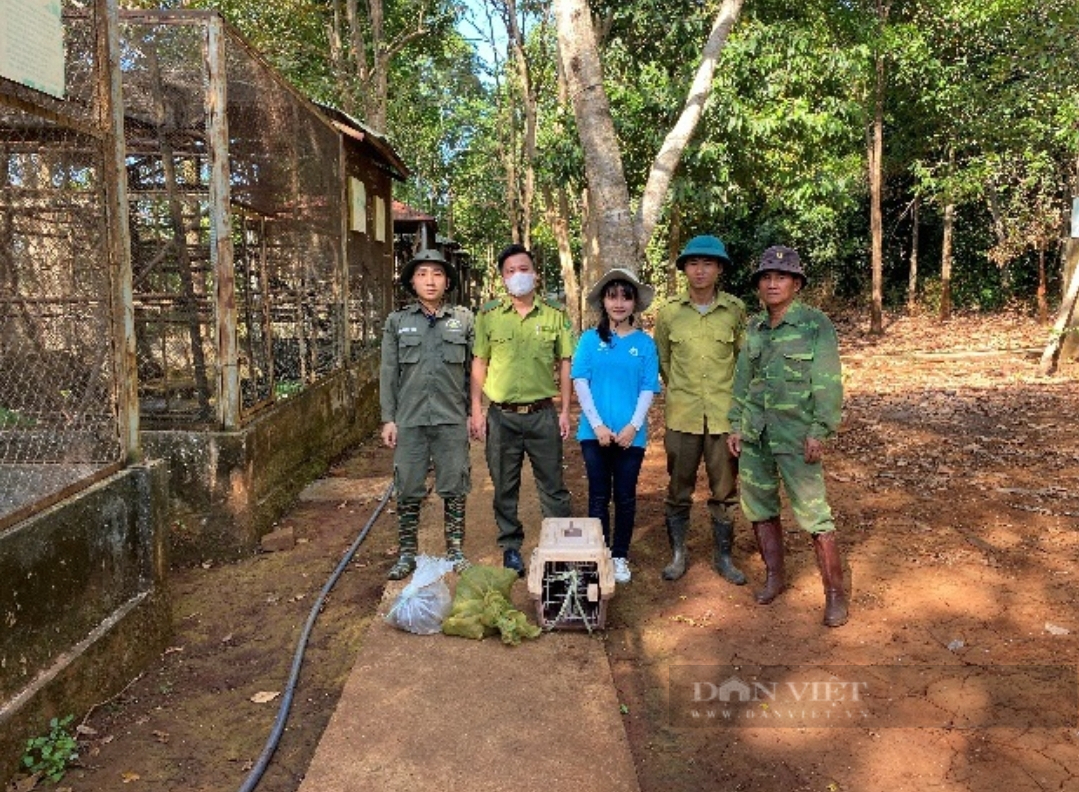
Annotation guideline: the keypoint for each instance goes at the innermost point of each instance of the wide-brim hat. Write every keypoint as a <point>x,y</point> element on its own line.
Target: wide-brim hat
<point>428,257</point>
<point>704,246</point>
<point>780,258</point>
<point>645,293</point>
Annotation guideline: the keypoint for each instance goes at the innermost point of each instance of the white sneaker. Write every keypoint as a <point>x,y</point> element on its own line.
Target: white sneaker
<point>621,570</point>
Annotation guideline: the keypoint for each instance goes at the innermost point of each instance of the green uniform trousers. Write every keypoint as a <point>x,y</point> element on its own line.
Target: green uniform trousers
<point>418,447</point>
<point>509,437</point>
<point>684,453</point>
<point>760,471</point>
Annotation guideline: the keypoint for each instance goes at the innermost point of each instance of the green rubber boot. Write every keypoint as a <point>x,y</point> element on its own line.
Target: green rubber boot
<point>408,528</point>
<point>455,532</point>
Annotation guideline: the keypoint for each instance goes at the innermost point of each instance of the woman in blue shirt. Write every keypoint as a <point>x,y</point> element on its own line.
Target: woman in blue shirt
<point>615,374</point>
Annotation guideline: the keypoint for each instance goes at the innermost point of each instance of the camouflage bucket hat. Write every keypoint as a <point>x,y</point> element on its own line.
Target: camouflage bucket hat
<point>780,258</point>
<point>428,257</point>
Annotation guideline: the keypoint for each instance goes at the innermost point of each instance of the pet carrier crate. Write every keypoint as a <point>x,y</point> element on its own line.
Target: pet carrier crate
<point>571,576</point>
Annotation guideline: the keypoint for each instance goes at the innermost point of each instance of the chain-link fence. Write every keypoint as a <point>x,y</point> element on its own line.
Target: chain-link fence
<point>240,290</point>
<point>258,314</point>
<point>59,418</point>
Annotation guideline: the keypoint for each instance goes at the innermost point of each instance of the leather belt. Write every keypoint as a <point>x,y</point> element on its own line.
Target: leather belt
<point>524,408</point>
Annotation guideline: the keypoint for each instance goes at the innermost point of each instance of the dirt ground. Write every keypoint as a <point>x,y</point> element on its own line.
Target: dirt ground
<point>955,486</point>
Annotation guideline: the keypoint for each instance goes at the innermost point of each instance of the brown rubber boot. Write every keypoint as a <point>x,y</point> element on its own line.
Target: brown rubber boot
<point>769,535</point>
<point>831,573</point>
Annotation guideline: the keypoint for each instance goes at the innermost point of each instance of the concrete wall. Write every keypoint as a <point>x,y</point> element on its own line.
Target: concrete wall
<point>83,603</point>
<point>228,488</point>
<point>83,597</point>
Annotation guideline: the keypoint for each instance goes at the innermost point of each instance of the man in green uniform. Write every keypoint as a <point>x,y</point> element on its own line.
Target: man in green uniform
<point>423,395</point>
<point>522,343</point>
<point>698,334</point>
<point>788,397</point>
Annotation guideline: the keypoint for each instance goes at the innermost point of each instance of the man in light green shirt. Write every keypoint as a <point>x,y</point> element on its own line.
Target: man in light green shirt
<point>698,334</point>
<point>521,361</point>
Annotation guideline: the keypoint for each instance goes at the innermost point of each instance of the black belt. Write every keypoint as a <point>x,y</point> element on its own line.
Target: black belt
<point>524,408</point>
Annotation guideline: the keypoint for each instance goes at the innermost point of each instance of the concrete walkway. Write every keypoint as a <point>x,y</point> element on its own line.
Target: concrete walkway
<point>435,712</point>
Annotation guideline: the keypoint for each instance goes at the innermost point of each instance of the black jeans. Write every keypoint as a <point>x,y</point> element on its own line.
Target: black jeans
<point>613,469</point>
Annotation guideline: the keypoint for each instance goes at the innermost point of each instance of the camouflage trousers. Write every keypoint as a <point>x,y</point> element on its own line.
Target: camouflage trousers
<point>759,473</point>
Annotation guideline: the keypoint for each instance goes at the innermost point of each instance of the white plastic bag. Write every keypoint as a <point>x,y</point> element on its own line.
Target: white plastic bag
<point>426,600</point>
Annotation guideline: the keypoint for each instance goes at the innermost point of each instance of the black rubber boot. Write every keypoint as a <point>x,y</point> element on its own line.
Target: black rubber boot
<point>723,531</point>
<point>676,532</point>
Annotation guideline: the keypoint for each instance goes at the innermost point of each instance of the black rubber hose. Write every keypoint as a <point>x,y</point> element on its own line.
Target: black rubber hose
<point>263,762</point>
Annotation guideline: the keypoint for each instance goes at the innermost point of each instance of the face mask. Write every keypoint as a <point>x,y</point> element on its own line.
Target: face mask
<point>521,283</point>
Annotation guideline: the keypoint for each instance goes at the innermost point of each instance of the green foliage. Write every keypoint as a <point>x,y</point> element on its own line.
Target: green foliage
<point>12,419</point>
<point>52,753</point>
<point>978,104</point>
<point>283,389</point>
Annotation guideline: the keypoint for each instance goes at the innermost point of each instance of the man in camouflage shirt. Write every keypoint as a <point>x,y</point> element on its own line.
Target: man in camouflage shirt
<point>788,396</point>
<point>423,395</point>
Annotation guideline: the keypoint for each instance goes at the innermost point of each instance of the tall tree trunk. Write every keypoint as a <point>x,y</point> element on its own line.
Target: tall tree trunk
<point>1070,342</point>
<point>374,96</point>
<point>591,263</point>
<point>674,244</point>
<point>670,153</point>
<point>370,56</point>
<point>621,238</point>
<point>528,102</point>
<point>558,220</point>
<point>607,189</point>
<point>946,263</point>
<point>1063,322</point>
<point>1043,305</point>
<point>875,156</point>
<point>912,279</point>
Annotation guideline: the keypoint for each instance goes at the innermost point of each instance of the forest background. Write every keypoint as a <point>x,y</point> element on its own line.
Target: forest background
<point>923,155</point>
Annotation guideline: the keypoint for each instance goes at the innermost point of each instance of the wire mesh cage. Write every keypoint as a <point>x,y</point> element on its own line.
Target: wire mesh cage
<point>571,576</point>
<point>236,224</point>
<point>59,418</point>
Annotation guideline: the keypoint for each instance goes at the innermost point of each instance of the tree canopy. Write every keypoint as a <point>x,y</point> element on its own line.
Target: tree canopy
<point>974,102</point>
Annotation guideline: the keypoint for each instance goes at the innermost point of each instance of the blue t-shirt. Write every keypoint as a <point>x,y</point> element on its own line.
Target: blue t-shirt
<point>617,373</point>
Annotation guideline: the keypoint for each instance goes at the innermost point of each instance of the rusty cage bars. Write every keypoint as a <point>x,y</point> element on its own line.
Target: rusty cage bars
<point>68,415</point>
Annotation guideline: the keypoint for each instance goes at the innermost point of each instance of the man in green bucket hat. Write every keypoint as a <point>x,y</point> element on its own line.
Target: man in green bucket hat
<point>698,334</point>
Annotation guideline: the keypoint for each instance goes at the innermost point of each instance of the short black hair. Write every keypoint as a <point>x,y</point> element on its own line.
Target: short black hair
<point>513,250</point>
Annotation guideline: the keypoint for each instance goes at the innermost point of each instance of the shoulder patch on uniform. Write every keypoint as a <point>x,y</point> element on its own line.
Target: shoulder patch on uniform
<point>553,304</point>
<point>490,305</point>
<point>732,300</point>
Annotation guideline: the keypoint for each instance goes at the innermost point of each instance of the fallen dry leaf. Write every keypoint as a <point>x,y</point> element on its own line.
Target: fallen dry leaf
<point>128,777</point>
<point>25,783</point>
<point>264,696</point>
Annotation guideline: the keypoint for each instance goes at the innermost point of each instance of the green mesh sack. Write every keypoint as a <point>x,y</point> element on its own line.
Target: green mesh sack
<point>482,607</point>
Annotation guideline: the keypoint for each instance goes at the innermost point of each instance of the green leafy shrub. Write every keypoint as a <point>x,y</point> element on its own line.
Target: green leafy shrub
<point>52,753</point>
